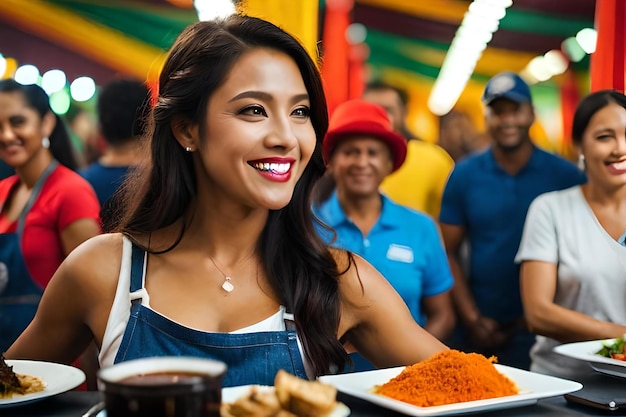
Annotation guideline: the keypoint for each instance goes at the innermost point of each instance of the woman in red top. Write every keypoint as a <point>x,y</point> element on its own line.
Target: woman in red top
<point>46,209</point>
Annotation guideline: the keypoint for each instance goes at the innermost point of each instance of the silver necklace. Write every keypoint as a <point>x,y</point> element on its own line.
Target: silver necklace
<point>226,285</point>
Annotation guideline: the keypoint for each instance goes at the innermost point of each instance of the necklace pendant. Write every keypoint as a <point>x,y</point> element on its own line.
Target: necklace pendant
<point>227,285</point>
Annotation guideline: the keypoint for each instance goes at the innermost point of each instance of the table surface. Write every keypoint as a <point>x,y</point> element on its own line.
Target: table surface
<point>77,403</point>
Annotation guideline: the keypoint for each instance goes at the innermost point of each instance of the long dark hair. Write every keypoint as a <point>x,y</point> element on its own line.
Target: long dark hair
<point>37,99</point>
<point>589,106</point>
<point>297,263</point>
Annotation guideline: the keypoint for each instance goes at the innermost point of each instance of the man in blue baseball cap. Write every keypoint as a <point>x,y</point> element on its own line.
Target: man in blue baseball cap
<point>509,114</point>
<point>483,210</point>
<point>507,85</point>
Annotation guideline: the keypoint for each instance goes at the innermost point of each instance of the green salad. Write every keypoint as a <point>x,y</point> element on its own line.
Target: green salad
<point>614,350</point>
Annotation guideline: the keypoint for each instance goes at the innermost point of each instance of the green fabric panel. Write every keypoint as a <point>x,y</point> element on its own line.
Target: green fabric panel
<point>546,94</point>
<point>543,24</point>
<point>389,58</point>
<point>388,49</point>
<point>385,58</point>
<point>157,26</point>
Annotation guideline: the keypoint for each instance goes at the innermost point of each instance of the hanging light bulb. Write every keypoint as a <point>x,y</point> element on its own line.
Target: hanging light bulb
<point>214,9</point>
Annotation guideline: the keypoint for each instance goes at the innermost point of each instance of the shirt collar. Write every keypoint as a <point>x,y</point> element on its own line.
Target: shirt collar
<point>491,163</point>
<point>390,216</point>
<point>332,211</point>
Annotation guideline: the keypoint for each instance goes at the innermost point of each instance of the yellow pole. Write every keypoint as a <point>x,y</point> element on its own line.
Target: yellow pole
<point>297,17</point>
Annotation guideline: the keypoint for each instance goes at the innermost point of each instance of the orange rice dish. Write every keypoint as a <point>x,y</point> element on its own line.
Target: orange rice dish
<point>448,377</point>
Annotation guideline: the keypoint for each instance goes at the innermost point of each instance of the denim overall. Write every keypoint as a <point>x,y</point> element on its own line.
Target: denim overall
<point>19,294</point>
<point>252,358</point>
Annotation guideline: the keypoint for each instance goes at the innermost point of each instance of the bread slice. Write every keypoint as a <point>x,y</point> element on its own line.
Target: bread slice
<point>304,398</point>
<point>258,402</point>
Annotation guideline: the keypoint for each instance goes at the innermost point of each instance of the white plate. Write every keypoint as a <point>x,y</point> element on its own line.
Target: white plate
<point>586,351</point>
<point>532,386</point>
<point>232,393</point>
<point>57,377</point>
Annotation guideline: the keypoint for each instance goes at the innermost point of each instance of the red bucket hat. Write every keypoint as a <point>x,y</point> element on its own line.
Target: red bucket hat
<point>360,117</point>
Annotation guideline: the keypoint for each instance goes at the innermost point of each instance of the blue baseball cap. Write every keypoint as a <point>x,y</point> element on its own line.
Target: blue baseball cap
<point>507,85</point>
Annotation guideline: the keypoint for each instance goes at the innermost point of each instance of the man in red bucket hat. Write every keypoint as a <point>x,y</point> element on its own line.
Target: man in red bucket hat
<point>360,149</point>
<point>358,117</point>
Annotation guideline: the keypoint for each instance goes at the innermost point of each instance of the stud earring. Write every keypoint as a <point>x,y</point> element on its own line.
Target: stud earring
<point>45,142</point>
<point>188,149</point>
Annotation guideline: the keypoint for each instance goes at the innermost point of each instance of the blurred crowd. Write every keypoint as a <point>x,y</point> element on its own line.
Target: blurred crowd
<point>495,245</point>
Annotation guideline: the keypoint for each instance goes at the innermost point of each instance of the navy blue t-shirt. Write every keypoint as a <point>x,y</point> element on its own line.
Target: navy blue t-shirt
<point>104,180</point>
<point>5,170</point>
<point>491,205</point>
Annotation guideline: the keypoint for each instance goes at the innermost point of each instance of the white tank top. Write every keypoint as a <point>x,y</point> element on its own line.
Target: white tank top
<point>120,313</point>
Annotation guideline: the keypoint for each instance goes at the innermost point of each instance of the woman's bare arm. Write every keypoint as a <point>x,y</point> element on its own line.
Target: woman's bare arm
<point>545,317</point>
<point>78,232</point>
<point>75,305</point>
<point>376,321</point>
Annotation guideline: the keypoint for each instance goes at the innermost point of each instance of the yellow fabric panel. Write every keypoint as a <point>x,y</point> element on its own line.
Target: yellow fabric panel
<point>10,67</point>
<point>297,17</point>
<point>186,4</point>
<point>449,11</point>
<point>104,45</point>
<point>420,121</point>
<point>495,60</point>
<point>492,61</point>
<point>420,181</point>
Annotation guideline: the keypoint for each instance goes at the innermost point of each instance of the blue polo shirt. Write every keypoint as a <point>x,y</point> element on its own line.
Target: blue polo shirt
<point>492,204</point>
<point>404,246</point>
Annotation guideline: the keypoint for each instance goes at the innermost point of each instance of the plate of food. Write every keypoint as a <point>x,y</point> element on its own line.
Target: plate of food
<point>606,355</point>
<point>25,381</point>
<point>450,382</point>
<point>290,396</point>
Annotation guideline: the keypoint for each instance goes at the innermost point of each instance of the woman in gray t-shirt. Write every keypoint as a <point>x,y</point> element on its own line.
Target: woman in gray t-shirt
<point>573,269</point>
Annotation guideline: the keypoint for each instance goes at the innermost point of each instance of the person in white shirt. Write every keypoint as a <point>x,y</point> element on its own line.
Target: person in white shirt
<point>572,266</point>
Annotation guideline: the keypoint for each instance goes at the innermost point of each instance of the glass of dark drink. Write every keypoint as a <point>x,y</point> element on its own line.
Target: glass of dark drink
<point>163,387</point>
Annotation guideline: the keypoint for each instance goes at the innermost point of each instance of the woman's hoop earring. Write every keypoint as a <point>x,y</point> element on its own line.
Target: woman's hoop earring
<point>45,142</point>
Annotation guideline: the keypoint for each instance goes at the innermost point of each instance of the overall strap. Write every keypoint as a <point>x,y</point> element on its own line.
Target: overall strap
<point>33,196</point>
<point>290,323</point>
<point>137,273</point>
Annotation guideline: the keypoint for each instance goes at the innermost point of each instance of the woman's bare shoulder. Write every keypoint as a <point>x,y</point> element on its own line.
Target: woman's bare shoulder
<point>103,244</point>
<point>357,277</point>
<point>98,259</point>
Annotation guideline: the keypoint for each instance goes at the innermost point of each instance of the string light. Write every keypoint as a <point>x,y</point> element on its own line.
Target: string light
<point>587,39</point>
<point>82,88</point>
<point>3,65</point>
<point>214,9</point>
<point>542,68</point>
<point>53,81</point>
<point>479,23</point>
<point>27,74</point>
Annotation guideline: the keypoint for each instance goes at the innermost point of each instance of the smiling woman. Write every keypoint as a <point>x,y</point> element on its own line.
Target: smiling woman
<point>260,117</point>
<point>46,209</point>
<point>223,197</point>
<point>572,266</point>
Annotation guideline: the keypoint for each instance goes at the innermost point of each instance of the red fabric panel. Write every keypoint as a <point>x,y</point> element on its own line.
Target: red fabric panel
<point>607,62</point>
<point>569,100</point>
<point>335,66</point>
